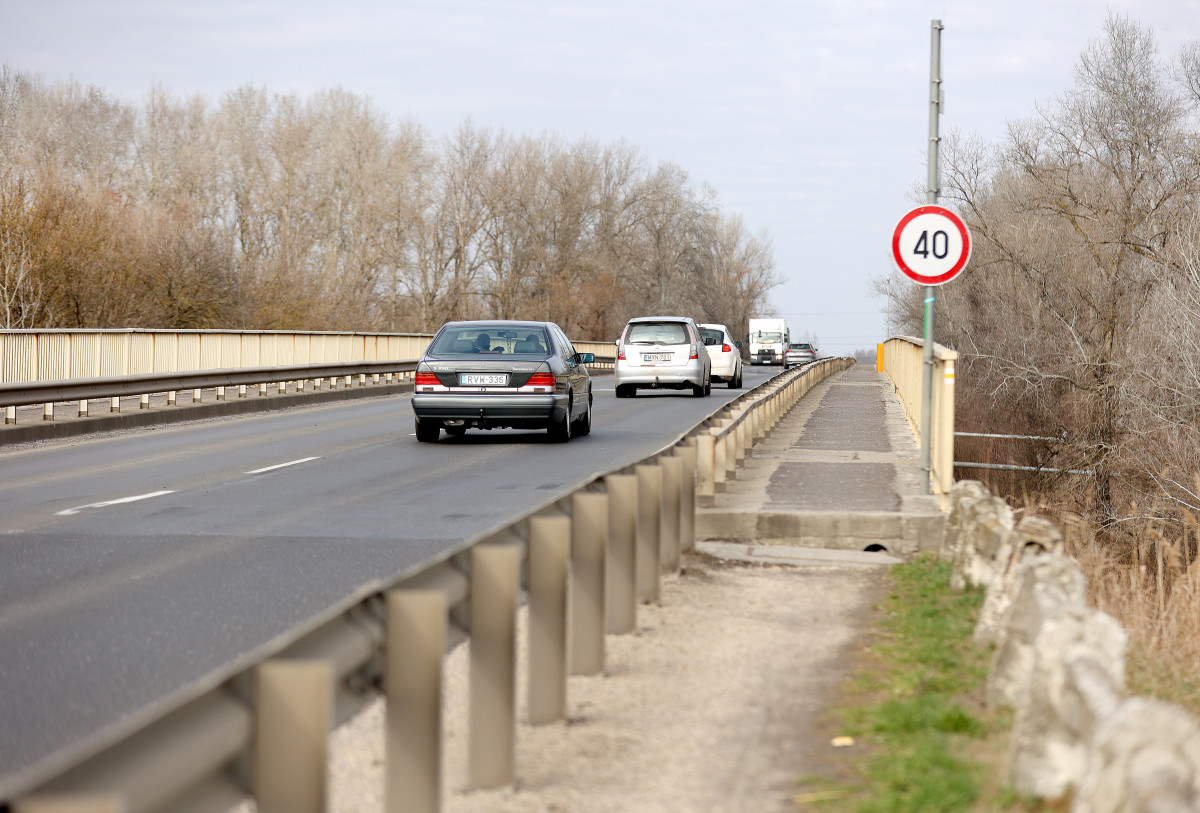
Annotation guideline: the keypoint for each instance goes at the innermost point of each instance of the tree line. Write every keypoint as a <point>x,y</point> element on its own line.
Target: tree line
<point>1078,318</point>
<point>269,211</point>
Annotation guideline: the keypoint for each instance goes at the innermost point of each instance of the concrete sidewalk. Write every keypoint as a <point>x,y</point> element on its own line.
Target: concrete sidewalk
<point>841,472</point>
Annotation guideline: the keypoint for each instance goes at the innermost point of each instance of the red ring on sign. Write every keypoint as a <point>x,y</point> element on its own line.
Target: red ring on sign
<point>958,224</point>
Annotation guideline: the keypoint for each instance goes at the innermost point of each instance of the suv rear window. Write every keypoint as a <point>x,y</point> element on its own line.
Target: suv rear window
<point>657,333</point>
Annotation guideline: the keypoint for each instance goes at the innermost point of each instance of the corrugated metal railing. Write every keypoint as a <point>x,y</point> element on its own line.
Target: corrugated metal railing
<point>903,363</point>
<point>54,366</point>
<point>260,726</point>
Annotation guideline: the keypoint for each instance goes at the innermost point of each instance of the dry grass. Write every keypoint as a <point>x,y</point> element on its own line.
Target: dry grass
<point>1151,584</point>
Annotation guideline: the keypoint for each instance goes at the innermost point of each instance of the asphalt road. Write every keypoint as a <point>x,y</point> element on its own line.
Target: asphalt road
<point>135,564</point>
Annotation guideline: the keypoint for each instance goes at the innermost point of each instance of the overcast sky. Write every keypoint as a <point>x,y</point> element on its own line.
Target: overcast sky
<point>808,117</point>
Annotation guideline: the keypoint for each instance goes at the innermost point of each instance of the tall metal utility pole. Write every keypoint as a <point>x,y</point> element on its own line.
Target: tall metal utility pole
<point>932,191</point>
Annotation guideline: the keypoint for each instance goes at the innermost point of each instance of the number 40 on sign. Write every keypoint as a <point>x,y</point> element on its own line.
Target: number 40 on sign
<point>931,245</point>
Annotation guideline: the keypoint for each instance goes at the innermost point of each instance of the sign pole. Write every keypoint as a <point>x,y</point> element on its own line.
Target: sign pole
<point>935,109</point>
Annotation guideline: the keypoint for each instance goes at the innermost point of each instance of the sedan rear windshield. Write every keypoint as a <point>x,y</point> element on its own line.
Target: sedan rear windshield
<point>502,341</point>
<point>717,336</point>
<point>657,333</point>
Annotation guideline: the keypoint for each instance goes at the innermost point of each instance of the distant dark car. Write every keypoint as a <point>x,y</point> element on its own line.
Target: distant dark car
<point>799,353</point>
<point>491,374</point>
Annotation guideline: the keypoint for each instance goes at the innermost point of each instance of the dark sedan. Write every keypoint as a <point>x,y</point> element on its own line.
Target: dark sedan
<point>492,374</point>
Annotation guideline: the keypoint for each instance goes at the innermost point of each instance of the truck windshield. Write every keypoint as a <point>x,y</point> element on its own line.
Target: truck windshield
<point>768,336</point>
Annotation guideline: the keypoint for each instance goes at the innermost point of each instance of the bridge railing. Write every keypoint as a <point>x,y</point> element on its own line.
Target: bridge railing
<point>584,563</point>
<point>902,361</point>
<point>44,367</point>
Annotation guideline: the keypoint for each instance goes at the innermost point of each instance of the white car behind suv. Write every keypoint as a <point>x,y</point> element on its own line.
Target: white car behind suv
<point>726,355</point>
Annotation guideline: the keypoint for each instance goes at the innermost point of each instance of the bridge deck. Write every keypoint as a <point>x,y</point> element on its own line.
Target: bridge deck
<point>840,471</point>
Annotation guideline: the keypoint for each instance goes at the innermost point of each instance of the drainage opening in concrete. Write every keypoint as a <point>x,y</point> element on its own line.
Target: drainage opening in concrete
<point>875,548</point>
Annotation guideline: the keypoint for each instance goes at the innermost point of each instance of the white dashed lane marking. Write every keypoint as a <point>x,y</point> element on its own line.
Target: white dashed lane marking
<point>68,512</point>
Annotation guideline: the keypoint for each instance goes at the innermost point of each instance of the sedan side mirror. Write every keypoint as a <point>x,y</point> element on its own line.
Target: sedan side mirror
<point>585,358</point>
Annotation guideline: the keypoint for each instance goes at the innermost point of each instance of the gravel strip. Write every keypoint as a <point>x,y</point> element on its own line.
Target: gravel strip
<point>713,704</point>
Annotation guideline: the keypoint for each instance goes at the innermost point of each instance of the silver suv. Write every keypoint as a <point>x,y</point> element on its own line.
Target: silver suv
<point>662,352</point>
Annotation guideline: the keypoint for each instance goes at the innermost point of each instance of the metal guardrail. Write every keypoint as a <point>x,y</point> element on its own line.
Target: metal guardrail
<point>49,367</point>
<point>260,725</point>
<point>901,359</point>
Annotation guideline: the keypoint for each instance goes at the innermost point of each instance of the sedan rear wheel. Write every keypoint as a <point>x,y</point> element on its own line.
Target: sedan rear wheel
<point>584,425</point>
<point>428,431</point>
<point>560,431</point>
<point>700,390</point>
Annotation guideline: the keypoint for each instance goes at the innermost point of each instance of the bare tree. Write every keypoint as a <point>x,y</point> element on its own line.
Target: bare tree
<point>1073,221</point>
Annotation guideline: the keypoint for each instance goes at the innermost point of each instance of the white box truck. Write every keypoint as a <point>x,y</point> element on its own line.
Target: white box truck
<point>769,340</point>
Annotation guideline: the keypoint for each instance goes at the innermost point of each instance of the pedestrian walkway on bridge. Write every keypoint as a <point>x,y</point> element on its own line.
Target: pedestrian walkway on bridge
<point>841,473</point>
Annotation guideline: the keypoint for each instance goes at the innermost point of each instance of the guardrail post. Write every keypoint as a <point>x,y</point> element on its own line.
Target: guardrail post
<point>672,469</point>
<point>687,508</point>
<point>589,543</point>
<point>650,498</point>
<point>416,641</point>
<point>220,393</point>
<point>82,408</point>
<point>549,568</point>
<point>72,803</point>
<point>114,404</point>
<point>10,414</point>
<point>295,714</point>
<point>719,448</point>
<point>495,579</point>
<point>621,586</point>
<point>47,412</point>
<point>705,460</point>
<point>730,441</point>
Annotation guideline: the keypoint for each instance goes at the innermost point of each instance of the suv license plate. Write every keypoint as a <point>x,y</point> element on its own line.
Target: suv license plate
<point>482,380</point>
<point>656,357</point>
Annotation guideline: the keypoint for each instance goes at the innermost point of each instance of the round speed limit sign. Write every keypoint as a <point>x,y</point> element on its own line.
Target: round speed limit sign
<point>931,245</point>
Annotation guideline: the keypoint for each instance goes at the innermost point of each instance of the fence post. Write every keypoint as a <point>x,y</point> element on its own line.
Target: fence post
<point>549,559</point>
<point>687,522</point>
<point>295,714</point>
<point>589,547</point>
<point>416,641</point>
<point>650,498</point>
<point>705,465</point>
<point>672,469</point>
<point>495,579</point>
<point>621,587</point>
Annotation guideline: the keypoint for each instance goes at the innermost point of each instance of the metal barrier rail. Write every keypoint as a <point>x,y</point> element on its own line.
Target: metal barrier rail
<point>903,363</point>
<point>46,390</point>
<point>260,726</point>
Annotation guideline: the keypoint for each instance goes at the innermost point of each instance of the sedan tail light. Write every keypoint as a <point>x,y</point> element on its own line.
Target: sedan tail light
<point>542,379</point>
<point>725,348</point>
<point>425,379</point>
